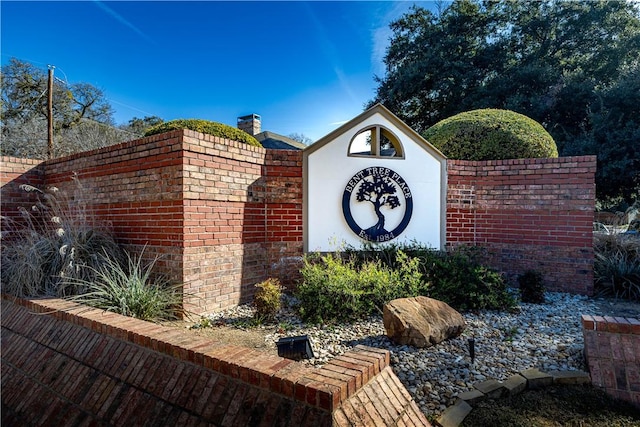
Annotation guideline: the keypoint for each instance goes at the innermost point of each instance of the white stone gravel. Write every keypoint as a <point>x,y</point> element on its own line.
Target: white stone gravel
<point>546,336</point>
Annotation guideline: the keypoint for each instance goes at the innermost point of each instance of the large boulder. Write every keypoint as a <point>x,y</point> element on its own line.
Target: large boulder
<point>421,321</point>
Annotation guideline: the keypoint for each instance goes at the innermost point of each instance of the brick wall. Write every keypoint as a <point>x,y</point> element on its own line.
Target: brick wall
<point>220,215</point>
<point>222,190</point>
<point>66,364</point>
<point>612,350</point>
<point>13,173</point>
<point>283,209</point>
<point>135,190</point>
<point>529,214</point>
<point>241,207</point>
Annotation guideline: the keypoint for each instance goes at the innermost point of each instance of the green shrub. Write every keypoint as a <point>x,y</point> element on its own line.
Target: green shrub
<point>204,126</point>
<point>456,277</point>
<point>267,298</point>
<point>328,290</point>
<point>55,239</point>
<point>617,266</point>
<point>130,290</point>
<point>337,289</point>
<point>532,287</point>
<point>388,253</point>
<point>491,134</point>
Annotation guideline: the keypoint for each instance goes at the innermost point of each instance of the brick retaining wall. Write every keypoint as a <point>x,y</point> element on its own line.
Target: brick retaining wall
<point>612,350</point>
<point>66,364</point>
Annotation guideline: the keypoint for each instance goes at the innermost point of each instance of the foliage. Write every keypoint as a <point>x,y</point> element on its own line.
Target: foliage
<point>491,134</point>
<point>58,248</point>
<point>23,86</point>
<point>138,126</point>
<point>301,138</point>
<point>532,287</point>
<point>56,239</point>
<point>617,265</point>
<point>363,280</point>
<point>82,116</point>
<point>204,126</point>
<point>129,290</point>
<point>267,298</point>
<point>388,253</point>
<point>613,137</point>
<point>336,289</point>
<point>456,276</point>
<point>571,66</point>
<point>29,139</point>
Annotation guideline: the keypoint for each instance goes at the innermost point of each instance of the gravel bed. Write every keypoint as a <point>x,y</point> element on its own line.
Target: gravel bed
<point>546,336</point>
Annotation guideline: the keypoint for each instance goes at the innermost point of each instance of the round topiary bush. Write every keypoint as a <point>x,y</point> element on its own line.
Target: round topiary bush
<point>205,126</point>
<point>491,134</point>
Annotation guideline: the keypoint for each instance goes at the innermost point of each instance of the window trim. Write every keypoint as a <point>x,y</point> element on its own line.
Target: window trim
<point>376,132</point>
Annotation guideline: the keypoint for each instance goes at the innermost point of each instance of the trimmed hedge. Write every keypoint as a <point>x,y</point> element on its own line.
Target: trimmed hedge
<point>491,134</point>
<point>205,126</point>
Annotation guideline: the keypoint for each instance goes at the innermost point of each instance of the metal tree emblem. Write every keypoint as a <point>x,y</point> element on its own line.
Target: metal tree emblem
<point>379,192</point>
<point>383,188</point>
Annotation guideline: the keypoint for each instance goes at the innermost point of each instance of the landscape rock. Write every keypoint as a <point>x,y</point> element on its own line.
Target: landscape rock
<point>421,321</point>
<point>545,336</point>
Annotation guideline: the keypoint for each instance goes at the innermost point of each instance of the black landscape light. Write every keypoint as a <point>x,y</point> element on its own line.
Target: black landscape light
<point>295,348</point>
<point>472,348</point>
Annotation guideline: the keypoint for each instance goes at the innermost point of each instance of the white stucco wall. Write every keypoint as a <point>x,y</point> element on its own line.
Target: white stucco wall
<point>329,169</point>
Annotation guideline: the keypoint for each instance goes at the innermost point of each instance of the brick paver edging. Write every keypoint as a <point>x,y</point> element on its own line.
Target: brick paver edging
<point>356,385</point>
<point>529,379</point>
<point>612,350</point>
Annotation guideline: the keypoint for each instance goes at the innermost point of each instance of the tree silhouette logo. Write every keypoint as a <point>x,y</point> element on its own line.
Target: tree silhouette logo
<point>389,204</point>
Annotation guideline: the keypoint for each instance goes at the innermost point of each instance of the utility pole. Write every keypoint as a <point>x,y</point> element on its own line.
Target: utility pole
<point>50,113</point>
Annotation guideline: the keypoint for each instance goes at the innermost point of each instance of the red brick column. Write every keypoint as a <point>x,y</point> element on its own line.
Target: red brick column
<point>283,214</point>
<point>612,349</point>
<point>243,219</point>
<point>15,172</point>
<point>223,221</point>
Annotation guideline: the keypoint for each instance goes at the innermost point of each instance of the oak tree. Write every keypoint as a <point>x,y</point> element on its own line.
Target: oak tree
<point>82,116</point>
<point>572,66</point>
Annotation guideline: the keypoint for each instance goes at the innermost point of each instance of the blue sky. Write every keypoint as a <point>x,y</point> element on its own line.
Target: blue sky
<point>305,67</point>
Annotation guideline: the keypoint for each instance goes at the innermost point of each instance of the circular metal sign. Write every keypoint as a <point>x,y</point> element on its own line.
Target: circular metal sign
<point>388,206</point>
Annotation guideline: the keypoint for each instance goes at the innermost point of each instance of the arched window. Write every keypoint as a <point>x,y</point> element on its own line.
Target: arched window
<point>376,141</point>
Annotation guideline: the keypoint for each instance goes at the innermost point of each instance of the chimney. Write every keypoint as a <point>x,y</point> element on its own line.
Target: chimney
<point>250,124</point>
